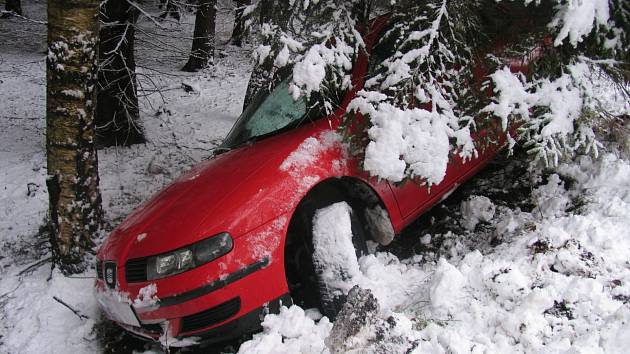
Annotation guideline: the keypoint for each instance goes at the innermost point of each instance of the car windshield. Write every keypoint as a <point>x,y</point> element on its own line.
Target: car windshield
<point>266,115</point>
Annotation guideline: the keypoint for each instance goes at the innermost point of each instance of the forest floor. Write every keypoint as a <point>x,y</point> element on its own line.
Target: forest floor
<point>519,259</point>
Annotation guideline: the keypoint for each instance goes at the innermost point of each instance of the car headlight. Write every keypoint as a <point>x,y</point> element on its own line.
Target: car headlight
<point>189,257</point>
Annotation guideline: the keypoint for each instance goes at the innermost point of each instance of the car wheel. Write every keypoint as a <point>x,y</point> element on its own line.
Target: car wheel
<point>307,283</point>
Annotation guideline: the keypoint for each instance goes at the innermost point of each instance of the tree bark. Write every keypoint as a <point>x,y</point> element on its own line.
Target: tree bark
<point>117,113</point>
<point>13,6</point>
<point>74,199</point>
<point>239,22</point>
<point>202,52</point>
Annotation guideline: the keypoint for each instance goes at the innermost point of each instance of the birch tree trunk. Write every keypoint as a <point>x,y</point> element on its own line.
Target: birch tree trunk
<point>117,112</point>
<point>74,199</point>
<point>202,52</point>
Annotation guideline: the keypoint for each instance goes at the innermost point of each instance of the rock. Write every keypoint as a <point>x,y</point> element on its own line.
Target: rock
<point>359,311</point>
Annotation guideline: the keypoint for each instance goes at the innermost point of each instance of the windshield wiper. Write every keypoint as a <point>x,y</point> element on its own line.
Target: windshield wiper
<point>219,150</point>
<point>253,139</point>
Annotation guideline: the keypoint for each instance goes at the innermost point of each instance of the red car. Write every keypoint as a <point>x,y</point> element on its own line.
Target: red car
<point>230,240</point>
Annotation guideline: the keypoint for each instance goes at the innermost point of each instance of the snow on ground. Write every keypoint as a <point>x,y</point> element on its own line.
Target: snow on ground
<point>181,127</point>
<point>551,278</point>
<point>558,282</point>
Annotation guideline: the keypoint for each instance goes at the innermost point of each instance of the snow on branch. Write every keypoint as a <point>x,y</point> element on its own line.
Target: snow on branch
<point>425,93</point>
<point>575,20</point>
<point>556,116</point>
<point>318,39</point>
<point>405,142</point>
<point>414,102</point>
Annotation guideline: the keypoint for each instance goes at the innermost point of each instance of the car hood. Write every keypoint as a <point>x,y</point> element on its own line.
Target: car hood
<point>172,218</point>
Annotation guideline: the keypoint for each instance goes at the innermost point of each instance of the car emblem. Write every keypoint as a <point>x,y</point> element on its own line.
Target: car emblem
<point>110,274</point>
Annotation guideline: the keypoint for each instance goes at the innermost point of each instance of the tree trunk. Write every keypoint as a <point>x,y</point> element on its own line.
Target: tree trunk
<point>239,22</point>
<point>74,199</point>
<point>170,9</point>
<point>13,6</point>
<point>275,11</point>
<point>202,53</point>
<point>117,113</point>
<point>266,10</point>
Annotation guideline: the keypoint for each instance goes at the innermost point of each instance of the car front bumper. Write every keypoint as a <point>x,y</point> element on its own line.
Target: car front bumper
<point>214,302</point>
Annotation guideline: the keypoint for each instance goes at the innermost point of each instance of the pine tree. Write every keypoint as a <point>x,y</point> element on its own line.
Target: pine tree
<point>453,68</point>
<point>73,182</point>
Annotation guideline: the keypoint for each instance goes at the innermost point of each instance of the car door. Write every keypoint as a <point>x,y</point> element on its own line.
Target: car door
<point>412,197</point>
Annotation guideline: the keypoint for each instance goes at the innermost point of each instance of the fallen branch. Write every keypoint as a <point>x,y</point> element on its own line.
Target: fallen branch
<point>6,14</point>
<point>148,15</point>
<point>33,266</point>
<point>76,312</point>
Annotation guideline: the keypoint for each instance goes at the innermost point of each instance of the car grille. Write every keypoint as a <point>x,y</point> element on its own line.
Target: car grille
<point>99,269</point>
<point>136,270</point>
<point>211,316</point>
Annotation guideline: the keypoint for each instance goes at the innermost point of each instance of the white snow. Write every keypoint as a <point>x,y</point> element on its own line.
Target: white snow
<point>333,251</point>
<point>283,57</point>
<point>577,19</point>
<point>33,322</point>
<point>181,128</point>
<point>389,279</point>
<point>477,208</point>
<point>559,282</point>
<point>146,297</point>
<point>291,331</point>
<point>414,137</point>
<point>561,130</point>
<point>310,150</point>
<point>309,73</point>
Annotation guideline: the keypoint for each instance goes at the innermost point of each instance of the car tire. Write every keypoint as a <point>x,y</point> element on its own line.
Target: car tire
<point>328,300</point>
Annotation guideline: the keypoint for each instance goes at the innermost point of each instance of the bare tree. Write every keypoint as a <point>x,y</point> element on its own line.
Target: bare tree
<point>117,103</point>
<point>13,6</point>
<point>73,184</point>
<point>239,22</point>
<point>202,52</point>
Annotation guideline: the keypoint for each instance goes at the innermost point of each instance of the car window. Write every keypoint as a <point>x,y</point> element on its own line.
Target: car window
<point>275,112</point>
<point>267,114</point>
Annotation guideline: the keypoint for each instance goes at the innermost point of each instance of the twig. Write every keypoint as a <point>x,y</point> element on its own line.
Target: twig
<point>79,314</point>
<point>22,118</point>
<point>123,38</point>
<point>13,13</point>
<point>6,295</point>
<point>149,16</point>
<point>34,266</point>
